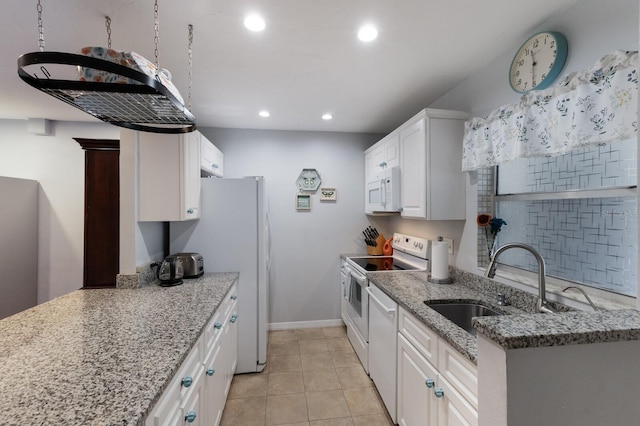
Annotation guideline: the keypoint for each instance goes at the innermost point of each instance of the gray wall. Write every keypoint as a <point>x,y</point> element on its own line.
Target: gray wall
<point>18,245</point>
<point>305,245</point>
<point>593,28</point>
<point>57,163</point>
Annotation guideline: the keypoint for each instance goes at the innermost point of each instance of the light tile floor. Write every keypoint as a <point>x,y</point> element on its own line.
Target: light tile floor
<point>312,378</point>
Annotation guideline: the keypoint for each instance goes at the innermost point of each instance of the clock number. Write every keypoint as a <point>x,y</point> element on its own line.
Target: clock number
<point>533,83</point>
<point>526,52</point>
<point>553,44</point>
<point>521,62</point>
<point>517,74</point>
<point>544,76</point>
<point>536,43</point>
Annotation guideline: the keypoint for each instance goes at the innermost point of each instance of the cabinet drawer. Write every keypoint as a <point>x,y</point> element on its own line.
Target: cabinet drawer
<point>424,339</point>
<point>459,372</point>
<point>215,327</point>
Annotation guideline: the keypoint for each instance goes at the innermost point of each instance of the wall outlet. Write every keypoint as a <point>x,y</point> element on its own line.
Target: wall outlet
<point>450,242</point>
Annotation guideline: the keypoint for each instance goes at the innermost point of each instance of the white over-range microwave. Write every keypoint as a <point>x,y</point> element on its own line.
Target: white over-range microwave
<point>383,191</point>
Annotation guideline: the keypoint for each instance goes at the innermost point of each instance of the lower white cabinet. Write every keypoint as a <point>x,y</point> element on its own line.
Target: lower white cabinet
<point>416,402</point>
<point>436,385</point>
<point>197,394</point>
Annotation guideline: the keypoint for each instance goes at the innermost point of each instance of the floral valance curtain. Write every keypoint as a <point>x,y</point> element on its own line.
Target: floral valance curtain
<point>598,105</point>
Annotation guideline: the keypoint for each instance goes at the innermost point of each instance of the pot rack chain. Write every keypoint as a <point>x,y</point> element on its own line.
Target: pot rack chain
<point>156,27</point>
<point>190,63</point>
<point>108,24</point>
<point>40,30</point>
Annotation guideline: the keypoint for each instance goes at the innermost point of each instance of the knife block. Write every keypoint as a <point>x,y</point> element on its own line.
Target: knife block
<point>377,250</point>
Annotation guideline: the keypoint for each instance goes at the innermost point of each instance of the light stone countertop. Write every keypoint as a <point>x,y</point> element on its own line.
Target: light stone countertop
<point>520,328</point>
<point>101,356</point>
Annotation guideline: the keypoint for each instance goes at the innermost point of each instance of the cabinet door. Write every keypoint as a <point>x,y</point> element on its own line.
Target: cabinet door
<point>167,411</point>
<point>214,385</point>
<point>232,349</point>
<point>453,409</point>
<point>416,401</point>
<point>212,159</point>
<point>168,177</point>
<point>194,403</point>
<point>392,150</point>
<point>190,194</point>
<point>414,170</point>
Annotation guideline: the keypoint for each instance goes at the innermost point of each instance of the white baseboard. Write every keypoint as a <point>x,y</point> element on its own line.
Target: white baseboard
<point>305,324</point>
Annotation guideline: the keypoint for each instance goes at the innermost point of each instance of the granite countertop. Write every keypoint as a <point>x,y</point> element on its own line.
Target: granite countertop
<point>522,327</point>
<point>101,356</point>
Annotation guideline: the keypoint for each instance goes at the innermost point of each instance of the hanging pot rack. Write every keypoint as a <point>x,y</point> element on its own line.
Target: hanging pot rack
<point>146,105</point>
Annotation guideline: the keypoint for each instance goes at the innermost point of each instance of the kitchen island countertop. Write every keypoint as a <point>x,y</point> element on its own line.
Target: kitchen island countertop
<point>101,356</point>
<point>522,328</point>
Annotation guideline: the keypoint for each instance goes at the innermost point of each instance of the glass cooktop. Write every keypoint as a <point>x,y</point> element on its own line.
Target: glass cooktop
<point>374,264</point>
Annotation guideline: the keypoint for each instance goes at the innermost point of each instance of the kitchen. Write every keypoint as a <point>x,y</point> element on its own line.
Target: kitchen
<point>338,156</point>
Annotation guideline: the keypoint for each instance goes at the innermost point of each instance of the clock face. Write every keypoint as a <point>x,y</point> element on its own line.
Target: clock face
<point>538,62</point>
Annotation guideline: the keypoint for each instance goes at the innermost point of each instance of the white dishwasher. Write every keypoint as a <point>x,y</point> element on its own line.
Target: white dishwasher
<point>383,341</point>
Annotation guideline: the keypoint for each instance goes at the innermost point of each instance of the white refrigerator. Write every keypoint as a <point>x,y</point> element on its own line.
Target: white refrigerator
<point>232,235</point>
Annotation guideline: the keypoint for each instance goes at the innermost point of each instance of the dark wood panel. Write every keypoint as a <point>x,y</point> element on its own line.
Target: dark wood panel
<point>102,217</point>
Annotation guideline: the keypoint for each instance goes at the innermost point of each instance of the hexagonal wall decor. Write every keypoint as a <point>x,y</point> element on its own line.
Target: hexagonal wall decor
<point>309,180</point>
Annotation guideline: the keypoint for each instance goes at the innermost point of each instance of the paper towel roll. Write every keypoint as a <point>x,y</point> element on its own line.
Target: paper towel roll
<point>439,260</point>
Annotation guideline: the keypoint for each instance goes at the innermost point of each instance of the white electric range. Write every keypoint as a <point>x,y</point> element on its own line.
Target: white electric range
<point>409,254</point>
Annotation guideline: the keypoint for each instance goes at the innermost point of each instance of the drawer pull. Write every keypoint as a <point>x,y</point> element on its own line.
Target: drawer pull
<point>190,417</point>
<point>234,297</point>
<point>218,325</point>
<point>430,383</point>
<point>234,318</point>
<point>186,381</point>
<point>438,392</point>
<point>210,371</point>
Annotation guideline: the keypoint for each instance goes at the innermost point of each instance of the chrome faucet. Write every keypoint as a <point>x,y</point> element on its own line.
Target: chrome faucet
<point>542,305</point>
<point>595,308</point>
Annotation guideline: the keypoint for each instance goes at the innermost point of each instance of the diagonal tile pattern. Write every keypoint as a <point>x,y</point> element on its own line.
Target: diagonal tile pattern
<point>312,378</point>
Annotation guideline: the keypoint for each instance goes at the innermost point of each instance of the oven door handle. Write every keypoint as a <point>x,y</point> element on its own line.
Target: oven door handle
<point>361,279</point>
<point>389,311</point>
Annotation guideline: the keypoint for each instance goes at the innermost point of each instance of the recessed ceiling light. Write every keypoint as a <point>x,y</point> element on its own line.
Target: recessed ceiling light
<point>264,114</point>
<point>327,116</point>
<point>254,23</point>
<point>367,33</point>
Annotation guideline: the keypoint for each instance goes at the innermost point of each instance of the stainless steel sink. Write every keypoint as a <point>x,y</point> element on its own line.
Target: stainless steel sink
<point>461,313</point>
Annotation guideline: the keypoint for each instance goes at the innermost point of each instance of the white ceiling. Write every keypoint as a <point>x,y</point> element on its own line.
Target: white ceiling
<point>306,62</point>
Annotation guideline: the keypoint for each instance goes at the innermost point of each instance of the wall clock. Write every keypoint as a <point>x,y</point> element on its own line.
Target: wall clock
<point>538,62</point>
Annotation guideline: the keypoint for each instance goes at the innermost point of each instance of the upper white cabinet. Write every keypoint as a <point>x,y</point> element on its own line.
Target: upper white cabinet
<point>383,155</point>
<point>428,150</point>
<point>432,183</point>
<point>212,159</point>
<point>169,177</point>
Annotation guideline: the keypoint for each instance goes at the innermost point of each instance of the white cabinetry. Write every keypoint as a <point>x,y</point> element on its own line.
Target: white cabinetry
<point>211,158</point>
<point>169,177</point>
<point>432,183</point>
<point>197,393</point>
<point>436,385</point>
<point>383,154</point>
